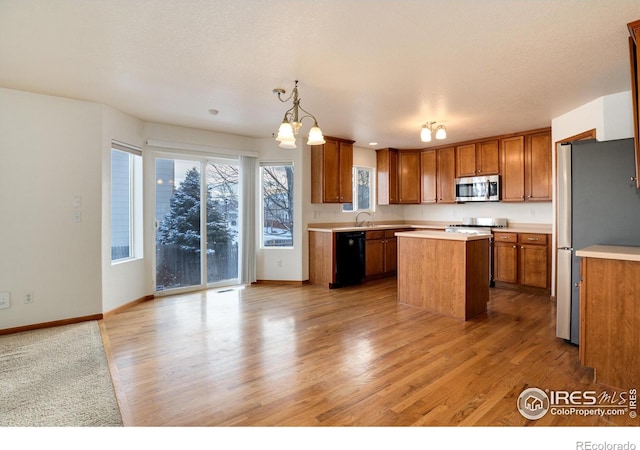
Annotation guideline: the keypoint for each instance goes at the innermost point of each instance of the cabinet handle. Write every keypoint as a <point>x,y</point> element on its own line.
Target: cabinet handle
<point>634,178</point>
<point>532,239</point>
<point>515,246</point>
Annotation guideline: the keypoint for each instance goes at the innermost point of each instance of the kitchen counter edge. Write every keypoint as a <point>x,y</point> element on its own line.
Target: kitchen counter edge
<point>619,252</point>
<point>434,234</point>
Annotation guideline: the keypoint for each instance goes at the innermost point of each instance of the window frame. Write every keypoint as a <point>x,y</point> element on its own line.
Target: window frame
<point>262,165</point>
<point>135,205</point>
<point>372,191</point>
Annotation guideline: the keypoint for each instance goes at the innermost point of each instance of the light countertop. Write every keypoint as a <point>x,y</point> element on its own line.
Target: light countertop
<point>437,234</point>
<point>341,228</point>
<point>619,252</point>
<point>511,228</point>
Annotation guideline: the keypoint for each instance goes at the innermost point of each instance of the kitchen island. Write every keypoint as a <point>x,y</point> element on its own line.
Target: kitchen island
<point>445,273</point>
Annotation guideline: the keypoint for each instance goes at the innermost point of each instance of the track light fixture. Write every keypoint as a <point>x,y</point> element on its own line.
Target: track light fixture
<point>292,122</point>
<point>427,131</point>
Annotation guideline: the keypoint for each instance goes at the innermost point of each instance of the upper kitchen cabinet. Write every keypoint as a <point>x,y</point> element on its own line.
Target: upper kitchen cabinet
<point>408,176</point>
<point>332,171</point>
<point>475,159</point>
<point>387,171</point>
<point>538,166</point>
<point>634,40</point>
<point>526,167</point>
<point>446,174</point>
<point>398,176</point>
<point>428,176</point>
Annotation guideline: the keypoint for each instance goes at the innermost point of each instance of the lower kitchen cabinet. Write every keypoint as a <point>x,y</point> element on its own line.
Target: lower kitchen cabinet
<point>505,257</point>
<point>374,253</point>
<point>534,260</point>
<point>522,259</point>
<point>381,253</point>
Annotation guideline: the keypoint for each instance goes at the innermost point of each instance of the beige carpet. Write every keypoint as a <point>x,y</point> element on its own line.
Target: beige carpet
<point>56,377</point>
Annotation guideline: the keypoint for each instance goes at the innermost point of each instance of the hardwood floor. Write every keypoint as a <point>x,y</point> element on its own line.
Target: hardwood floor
<point>270,355</point>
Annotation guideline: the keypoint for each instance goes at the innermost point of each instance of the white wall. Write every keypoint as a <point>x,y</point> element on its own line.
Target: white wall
<point>50,153</point>
<point>122,282</point>
<point>521,213</point>
<point>287,264</point>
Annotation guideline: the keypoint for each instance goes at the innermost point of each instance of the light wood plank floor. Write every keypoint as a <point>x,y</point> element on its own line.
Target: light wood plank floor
<point>308,356</point>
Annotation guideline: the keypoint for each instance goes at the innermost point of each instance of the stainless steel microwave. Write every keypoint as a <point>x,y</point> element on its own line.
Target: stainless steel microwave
<point>478,189</point>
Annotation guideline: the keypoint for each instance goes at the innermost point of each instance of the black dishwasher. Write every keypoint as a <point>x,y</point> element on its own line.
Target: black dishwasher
<point>349,258</point>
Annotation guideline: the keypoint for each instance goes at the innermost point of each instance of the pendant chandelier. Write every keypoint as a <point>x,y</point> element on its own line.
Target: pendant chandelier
<point>427,132</point>
<point>292,122</point>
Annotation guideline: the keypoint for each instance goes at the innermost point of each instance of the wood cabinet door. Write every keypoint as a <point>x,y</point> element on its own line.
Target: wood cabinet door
<point>534,265</point>
<point>391,254</point>
<point>428,176</point>
<point>466,160</point>
<point>538,167</point>
<point>346,173</point>
<point>331,172</point>
<point>512,169</point>
<point>505,262</point>
<point>446,175</point>
<point>488,158</point>
<point>387,176</point>
<point>408,177</point>
<point>374,257</point>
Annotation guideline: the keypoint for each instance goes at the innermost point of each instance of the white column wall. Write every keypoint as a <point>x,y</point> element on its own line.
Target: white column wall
<point>50,153</point>
<point>122,282</point>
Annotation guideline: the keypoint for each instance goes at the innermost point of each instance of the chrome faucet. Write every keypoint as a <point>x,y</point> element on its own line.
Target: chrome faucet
<point>359,224</point>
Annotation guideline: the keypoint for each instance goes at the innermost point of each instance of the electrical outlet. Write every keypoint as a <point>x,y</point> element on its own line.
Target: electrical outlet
<point>28,297</point>
<point>5,300</point>
<point>279,263</point>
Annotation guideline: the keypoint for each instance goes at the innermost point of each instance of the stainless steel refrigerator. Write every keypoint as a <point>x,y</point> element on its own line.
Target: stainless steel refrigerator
<point>598,203</point>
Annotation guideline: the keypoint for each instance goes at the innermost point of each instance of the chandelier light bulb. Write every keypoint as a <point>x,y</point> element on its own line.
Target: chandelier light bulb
<point>285,132</point>
<point>425,133</point>
<point>315,136</point>
<point>441,133</point>
<point>288,143</point>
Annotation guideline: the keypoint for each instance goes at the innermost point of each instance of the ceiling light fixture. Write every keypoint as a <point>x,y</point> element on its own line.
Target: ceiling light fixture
<point>427,131</point>
<point>292,122</point>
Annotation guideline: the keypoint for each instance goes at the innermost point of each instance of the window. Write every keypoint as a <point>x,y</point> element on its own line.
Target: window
<point>126,202</point>
<point>362,190</point>
<point>276,180</point>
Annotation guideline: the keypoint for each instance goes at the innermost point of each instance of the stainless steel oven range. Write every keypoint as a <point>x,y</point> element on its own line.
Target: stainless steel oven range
<point>480,225</point>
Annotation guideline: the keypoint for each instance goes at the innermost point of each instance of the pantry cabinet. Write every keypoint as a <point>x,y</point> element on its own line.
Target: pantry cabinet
<point>332,171</point>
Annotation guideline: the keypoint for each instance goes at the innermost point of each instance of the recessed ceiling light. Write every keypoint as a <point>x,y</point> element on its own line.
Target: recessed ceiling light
<point>373,143</point>
<point>213,112</point>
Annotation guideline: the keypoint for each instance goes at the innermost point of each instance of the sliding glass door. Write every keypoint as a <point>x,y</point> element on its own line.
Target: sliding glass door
<point>222,221</point>
<point>185,257</point>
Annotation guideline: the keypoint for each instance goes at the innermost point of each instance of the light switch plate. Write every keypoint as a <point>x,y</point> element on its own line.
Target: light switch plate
<point>5,300</point>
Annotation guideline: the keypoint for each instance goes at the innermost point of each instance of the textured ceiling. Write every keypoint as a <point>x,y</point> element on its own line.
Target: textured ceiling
<point>369,70</point>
